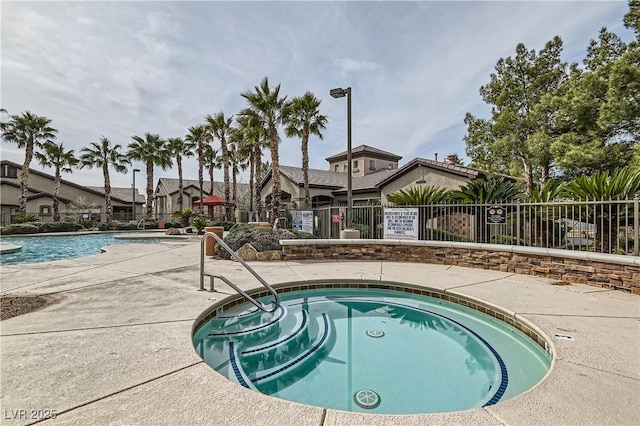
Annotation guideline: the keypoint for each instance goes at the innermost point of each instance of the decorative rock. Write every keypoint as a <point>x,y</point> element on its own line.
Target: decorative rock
<point>172,231</point>
<point>247,252</point>
<point>269,255</point>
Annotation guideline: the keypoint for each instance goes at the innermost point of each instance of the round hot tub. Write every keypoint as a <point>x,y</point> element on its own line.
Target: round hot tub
<point>374,347</point>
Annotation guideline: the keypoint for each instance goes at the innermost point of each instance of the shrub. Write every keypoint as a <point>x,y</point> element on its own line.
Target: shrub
<point>227,225</point>
<point>299,235</point>
<point>199,222</point>
<point>442,235</point>
<point>124,226</point>
<point>239,227</point>
<point>87,224</point>
<point>24,218</point>
<point>19,228</point>
<point>59,227</point>
<point>184,215</point>
<point>507,239</point>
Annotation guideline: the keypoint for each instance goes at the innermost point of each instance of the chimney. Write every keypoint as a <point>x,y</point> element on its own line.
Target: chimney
<point>451,158</point>
<point>436,156</point>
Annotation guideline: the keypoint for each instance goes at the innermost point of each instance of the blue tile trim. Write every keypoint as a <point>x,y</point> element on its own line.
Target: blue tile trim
<point>277,342</point>
<point>305,355</point>
<point>235,367</point>
<point>249,330</point>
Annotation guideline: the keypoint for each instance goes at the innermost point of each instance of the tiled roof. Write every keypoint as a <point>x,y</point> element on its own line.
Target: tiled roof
<point>171,185</point>
<point>123,194</point>
<point>467,172</point>
<point>335,180</point>
<point>364,149</point>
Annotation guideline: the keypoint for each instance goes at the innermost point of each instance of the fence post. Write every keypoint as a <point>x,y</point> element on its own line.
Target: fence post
<point>636,225</point>
<point>518,223</point>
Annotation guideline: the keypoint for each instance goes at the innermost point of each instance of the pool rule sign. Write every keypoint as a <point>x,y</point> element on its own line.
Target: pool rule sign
<point>496,215</point>
<point>302,221</point>
<point>401,223</point>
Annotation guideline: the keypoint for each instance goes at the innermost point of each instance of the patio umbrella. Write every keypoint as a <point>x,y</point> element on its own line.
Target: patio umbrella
<point>213,200</point>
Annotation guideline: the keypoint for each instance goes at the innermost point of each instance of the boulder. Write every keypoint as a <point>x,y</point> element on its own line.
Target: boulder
<point>269,255</point>
<point>247,252</point>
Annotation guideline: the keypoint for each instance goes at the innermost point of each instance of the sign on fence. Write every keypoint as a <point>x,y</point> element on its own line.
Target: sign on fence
<point>302,221</point>
<point>496,215</point>
<point>335,218</point>
<point>401,223</point>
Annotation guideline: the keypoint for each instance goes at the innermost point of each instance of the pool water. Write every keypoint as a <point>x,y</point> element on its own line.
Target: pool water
<point>375,351</point>
<point>50,247</point>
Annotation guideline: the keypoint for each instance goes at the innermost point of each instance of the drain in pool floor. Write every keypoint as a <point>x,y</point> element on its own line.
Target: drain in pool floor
<point>366,398</point>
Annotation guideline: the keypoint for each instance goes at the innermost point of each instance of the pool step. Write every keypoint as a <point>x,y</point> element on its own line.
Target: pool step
<point>252,327</point>
<point>311,354</point>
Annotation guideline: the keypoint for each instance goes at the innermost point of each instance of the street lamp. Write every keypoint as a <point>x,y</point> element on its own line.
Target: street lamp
<point>133,198</point>
<point>340,93</point>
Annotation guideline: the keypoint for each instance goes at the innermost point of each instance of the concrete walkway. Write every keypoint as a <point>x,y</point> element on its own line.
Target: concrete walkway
<point>115,346</point>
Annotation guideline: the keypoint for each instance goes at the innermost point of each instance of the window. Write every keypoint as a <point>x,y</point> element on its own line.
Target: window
<point>9,171</point>
<point>390,166</point>
<point>45,210</point>
<point>337,167</point>
<point>372,164</point>
<point>346,167</point>
<point>355,164</point>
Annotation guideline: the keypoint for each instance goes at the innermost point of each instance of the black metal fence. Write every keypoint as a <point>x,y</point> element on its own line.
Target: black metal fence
<point>599,226</point>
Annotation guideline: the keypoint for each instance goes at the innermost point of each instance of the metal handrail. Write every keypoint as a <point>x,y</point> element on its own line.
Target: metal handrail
<point>141,222</point>
<point>229,250</point>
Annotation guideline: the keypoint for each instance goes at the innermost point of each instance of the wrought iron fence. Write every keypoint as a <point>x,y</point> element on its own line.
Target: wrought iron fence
<point>598,226</point>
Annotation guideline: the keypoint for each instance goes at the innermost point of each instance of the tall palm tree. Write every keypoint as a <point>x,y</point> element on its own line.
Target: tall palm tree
<point>151,150</point>
<point>212,160</point>
<point>103,155</point>
<point>304,119</point>
<point>28,131</point>
<point>271,110</point>
<point>198,136</point>
<point>255,138</point>
<point>219,126</point>
<point>180,148</point>
<point>55,156</point>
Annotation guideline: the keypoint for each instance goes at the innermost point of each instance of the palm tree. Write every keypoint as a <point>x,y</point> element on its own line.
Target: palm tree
<point>220,127</point>
<point>603,185</point>
<point>237,162</point>
<point>254,139</point>
<point>198,138</point>
<point>56,157</point>
<point>153,152</point>
<point>480,191</point>
<point>179,148</point>
<point>28,131</point>
<point>271,111</point>
<point>212,160</point>
<point>304,119</point>
<point>103,155</point>
<point>419,196</point>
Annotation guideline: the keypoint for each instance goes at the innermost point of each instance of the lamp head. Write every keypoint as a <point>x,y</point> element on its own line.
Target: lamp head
<point>136,170</point>
<point>338,92</point>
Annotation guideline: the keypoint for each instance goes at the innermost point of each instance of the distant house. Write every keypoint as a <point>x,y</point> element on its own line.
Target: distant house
<point>166,194</point>
<point>76,201</point>
<point>375,175</point>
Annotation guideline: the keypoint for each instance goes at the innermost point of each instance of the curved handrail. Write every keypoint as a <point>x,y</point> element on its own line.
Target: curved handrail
<point>229,250</point>
<point>141,224</point>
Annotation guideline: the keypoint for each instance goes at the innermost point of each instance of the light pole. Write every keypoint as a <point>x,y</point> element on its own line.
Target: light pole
<point>133,198</point>
<point>340,93</point>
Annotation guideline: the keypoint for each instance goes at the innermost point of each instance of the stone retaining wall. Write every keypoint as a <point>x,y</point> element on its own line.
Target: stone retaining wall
<point>607,271</point>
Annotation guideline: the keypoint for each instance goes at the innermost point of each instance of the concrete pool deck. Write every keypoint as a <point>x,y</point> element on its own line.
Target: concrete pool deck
<point>115,345</point>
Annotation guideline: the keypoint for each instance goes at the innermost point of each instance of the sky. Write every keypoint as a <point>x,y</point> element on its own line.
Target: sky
<point>118,69</point>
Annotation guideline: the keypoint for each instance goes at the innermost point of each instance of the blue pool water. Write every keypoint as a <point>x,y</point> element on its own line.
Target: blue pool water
<point>375,351</point>
<point>48,248</point>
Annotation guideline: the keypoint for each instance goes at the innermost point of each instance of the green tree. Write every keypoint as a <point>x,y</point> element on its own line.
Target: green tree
<point>255,138</point>
<point>270,108</point>
<point>522,123</point>
<point>212,161</point>
<point>197,137</point>
<point>420,196</point>
<point>103,155</point>
<point>219,126</point>
<point>152,151</point>
<point>304,119</point>
<point>237,161</point>
<point>28,131</point>
<point>632,18</point>
<point>179,148</point>
<point>55,156</point>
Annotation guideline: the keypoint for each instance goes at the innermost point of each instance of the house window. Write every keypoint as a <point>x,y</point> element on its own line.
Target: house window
<point>372,164</point>
<point>337,167</point>
<point>45,210</point>
<point>355,164</point>
<point>346,166</point>
<point>9,171</point>
<point>390,166</point>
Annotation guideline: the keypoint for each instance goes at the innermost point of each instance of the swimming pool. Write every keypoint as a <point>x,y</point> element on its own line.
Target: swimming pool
<point>45,248</point>
<point>373,350</point>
